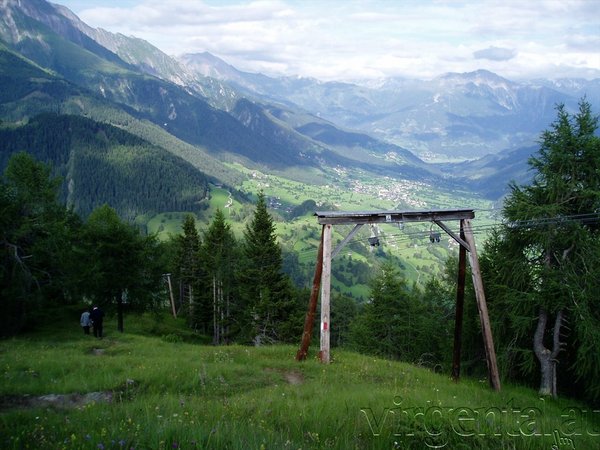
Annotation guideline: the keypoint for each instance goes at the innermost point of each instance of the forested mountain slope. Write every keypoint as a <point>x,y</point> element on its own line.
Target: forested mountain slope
<point>131,73</point>
<point>100,164</point>
<point>66,51</point>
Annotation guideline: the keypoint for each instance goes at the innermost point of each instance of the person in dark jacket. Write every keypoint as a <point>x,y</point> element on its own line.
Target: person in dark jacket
<point>97,317</point>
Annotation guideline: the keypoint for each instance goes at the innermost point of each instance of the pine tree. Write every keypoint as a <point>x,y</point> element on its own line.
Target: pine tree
<point>265,291</point>
<point>36,238</point>
<point>187,263</point>
<point>218,258</point>
<point>397,323</point>
<point>535,265</point>
<point>118,263</point>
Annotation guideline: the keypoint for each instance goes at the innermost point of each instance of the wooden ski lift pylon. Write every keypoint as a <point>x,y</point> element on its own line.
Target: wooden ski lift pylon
<point>464,238</point>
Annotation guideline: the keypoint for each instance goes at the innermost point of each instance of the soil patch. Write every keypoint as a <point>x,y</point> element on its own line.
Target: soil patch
<point>294,377</point>
<point>125,391</point>
<point>291,376</point>
<point>55,400</point>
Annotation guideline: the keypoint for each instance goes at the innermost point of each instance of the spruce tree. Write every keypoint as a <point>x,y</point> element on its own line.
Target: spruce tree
<point>538,264</point>
<point>265,291</point>
<point>118,263</point>
<point>187,266</point>
<point>37,235</point>
<point>218,259</point>
<point>402,323</point>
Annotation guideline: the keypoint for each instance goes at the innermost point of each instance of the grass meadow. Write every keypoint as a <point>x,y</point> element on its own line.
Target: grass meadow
<point>156,386</point>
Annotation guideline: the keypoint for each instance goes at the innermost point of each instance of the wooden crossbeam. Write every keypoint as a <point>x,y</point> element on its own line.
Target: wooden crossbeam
<point>355,217</point>
<point>458,239</point>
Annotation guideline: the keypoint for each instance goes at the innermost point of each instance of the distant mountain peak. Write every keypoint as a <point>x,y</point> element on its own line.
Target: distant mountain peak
<point>209,65</point>
<point>477,77</point>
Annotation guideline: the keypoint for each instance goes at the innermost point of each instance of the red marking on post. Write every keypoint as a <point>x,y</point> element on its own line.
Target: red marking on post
<point>325,325</point>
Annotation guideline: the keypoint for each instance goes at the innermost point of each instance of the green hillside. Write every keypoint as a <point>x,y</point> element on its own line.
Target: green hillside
<point>29,90</point>
<point>148,389</point>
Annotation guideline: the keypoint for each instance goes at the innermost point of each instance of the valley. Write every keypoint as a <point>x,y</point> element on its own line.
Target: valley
<point>228,134</point>
<point>347,190</point>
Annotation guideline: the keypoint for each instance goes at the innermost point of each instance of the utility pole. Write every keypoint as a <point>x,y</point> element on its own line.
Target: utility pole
<point>168,276</point>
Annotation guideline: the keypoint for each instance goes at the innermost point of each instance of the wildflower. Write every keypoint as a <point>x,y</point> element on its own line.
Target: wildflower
<point>100,446</point>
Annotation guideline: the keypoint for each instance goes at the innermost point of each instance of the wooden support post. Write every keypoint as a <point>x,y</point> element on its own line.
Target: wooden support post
<point>460,239</point>
<point>488,340</point>
<point>325,294</point>
<point>171,295</point>
<point>460,300</point>
<point>312,305</point>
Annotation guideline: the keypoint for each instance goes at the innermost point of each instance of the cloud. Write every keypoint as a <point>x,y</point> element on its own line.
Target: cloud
<point>495,54</point>
<point>581,42</point>
<point>330,39</point>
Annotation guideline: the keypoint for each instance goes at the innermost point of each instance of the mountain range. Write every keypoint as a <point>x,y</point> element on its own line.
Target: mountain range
<point>202,114</point>
<point>453,116</point>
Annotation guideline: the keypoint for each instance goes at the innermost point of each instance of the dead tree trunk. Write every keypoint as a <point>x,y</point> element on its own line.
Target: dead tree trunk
<point>547,357</point>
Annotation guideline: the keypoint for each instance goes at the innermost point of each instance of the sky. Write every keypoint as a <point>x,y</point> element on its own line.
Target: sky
<point>368,39</point>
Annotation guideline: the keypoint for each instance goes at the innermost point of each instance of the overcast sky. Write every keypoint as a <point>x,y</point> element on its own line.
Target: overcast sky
<point>345,39</point>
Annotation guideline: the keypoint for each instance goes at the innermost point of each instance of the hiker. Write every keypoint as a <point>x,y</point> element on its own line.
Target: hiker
<point>97,316</point>
<point>85,321</point>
